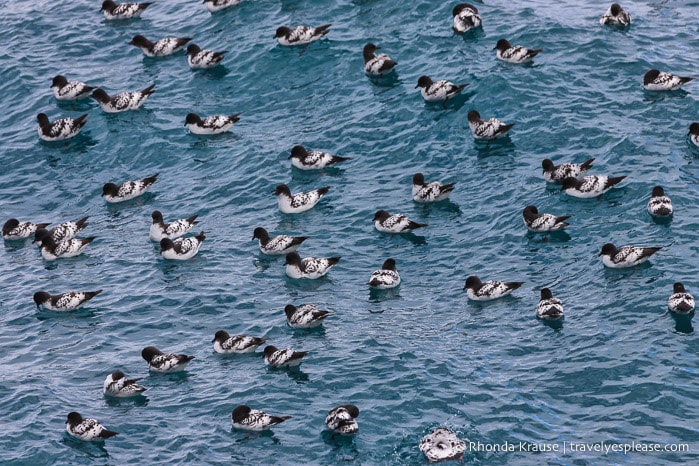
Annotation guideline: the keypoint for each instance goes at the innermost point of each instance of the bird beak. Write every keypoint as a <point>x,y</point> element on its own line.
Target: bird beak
<point>600,253</point>
<point>416,86</point>
<point>463,288</point>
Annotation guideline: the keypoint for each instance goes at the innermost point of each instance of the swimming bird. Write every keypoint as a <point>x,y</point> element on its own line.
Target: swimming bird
<point>659,204</point>
<point>161,362</point>
<point>386,277</point>
<point>625,256</point>
<point>549,307</point>
<point>181,248</point>
<point>210,125</point>
<point>277,245</point>
<point>485,291</point>
<point>116,384</point>
<point>487,129</point>
<point>694,133</point>
<point>430,192</point>
<point>438,91</point>
<point>305,316</point>
<point>299,202</point>
<point>63,231</point>
<point>300,34</point>
<point>203,59</point>
<point>68,301</point>
<point>238,344</point>
<point>376,65</point>
<point>542,223</point>
<point>589,186</point>
<point>159,229</point>
<point>616,16</point>
<point>123,101</point>
<point>304,159</point>
<point>466,17</point>
<point>63,128</point>
<point>286,357</point>
<point>514,54</point>
<point>87,429</point>
<point>396,223</point>
<point>217,5</point>
<point>252,419</point>
<point>308,267</point>
<point>442,445</point>
<point>50,250</point>
<point>161,47</point>
<point>680,301</point>
<point>343,419</point>
<point>73,90</point>
<point>13,229</point>
<point>127,190</point>
<point>113,10</point>
<point>558,173</point>
<point>655,80</point>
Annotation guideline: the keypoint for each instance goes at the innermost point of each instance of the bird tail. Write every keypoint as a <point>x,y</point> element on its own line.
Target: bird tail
<point>81,120</point>
<point>82,223</point>
<point>587,164</point>
<point>88,240</point>
<point>614,180</point>
<point>148,90</point>
<point>92,294</point>
<point>151,179</point>
<point>505,128</point>
<point>412,225</point>
<point>107,433</point>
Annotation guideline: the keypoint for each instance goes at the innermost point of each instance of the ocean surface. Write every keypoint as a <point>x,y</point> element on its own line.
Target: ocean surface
<point>617,370</point>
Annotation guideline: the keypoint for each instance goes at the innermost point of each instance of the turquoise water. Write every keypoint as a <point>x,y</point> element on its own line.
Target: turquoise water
<point>616,370</point>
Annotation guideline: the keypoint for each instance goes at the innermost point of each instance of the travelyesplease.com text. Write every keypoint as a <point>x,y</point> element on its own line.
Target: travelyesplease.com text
<point>578,447</point>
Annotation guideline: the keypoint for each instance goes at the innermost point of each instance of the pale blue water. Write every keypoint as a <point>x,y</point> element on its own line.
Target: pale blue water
<point>617,370</point>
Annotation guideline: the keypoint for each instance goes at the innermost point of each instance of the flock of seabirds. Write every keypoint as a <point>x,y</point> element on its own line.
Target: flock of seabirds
<point>61,241</point>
